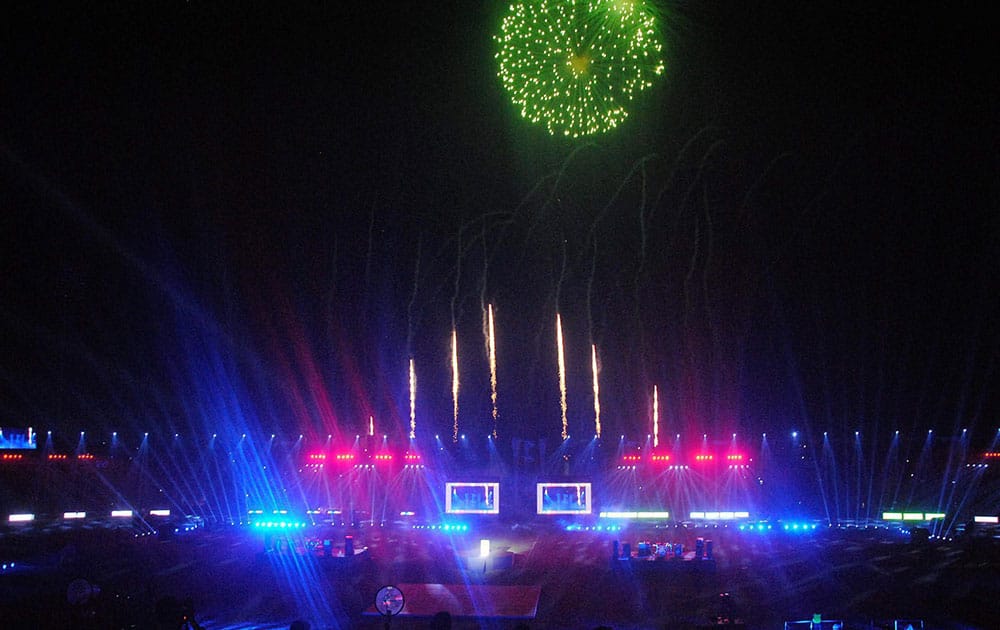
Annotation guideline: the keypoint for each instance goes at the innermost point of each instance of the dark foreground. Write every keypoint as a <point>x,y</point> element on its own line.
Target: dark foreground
<point>756,580</point>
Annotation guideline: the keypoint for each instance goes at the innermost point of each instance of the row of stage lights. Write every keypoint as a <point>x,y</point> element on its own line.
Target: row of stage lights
<point>280,519</point>
<point>81,515</point>
<point>700,458</point>
<point>52,457</point>
<point>794,434</point>
<point>347,457</point>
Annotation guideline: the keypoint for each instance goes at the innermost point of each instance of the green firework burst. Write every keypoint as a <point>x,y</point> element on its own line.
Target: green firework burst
<point>575,66</point>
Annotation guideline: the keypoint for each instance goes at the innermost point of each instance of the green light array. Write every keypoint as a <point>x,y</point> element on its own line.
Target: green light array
<point>575,66</point>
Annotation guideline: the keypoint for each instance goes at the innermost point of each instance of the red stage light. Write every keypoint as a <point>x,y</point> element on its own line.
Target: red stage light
<point>12,457</point>
<point>991,455</point>
<point>317,457</point>
<point>85,456</point>
<point>734,458</point>
<point>383,457</point>
<point>703,458</point>
<point>631,458</point>
<point>56,456</point>
<point>410,457</point>
<point>661,458</point>
<point>345,457</point>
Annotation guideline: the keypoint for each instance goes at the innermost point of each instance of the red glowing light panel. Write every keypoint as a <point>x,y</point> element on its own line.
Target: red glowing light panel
<point>345,457</point>
<point>631,459</point>
<point>472,498</point>
<point>662,459</point>
<point>383,457</point>
<point>734,457</point>
<point>317,457</point>
<point>704,458</point>
<point>992,455</point>
<point>85,457</point>
<point>12,457</point>
<point>410,457</point>
<point>56,457</point>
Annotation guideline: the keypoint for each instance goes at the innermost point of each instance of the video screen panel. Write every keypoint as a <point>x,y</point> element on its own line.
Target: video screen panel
<point>17,439</point>
<point>462,497</point>
<point>564,498</point>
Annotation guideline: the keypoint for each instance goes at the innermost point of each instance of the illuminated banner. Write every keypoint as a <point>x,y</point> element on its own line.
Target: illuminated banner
<point>14,438</point>
<point>472,497</point>
<point>564,498</point>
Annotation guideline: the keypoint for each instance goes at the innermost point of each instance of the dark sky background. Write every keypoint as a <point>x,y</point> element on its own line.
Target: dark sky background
<point>217,219</point>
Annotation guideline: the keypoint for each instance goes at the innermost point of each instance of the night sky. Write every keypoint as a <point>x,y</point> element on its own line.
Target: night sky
<point>220,219</point>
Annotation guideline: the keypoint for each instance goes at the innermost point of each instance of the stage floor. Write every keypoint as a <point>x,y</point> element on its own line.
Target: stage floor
<point>468,600</point>
<point>559,580</point>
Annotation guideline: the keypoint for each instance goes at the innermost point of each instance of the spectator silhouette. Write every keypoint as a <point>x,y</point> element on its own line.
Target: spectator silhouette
<point>441,621</point>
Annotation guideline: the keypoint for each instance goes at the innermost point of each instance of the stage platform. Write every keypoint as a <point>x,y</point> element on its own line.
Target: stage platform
<point>470,601</point>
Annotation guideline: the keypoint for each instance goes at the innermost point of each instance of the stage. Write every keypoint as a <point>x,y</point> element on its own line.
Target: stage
<point>474,601</point>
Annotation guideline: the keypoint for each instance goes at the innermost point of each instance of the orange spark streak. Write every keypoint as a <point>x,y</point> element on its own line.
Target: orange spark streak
<point>454,382</point>
<point>656,417</point>
<point>493,370</point>
<point>562,376</point>
<point>597,392</point>
<point>413,400</point>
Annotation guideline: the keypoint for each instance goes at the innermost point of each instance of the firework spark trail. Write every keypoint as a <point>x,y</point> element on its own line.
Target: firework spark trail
<point>656,417</point>
<point>552,196</point>
<point>454,382</point>
<point>562,376</point>
<point>368,252</point>
<point>413,400</point>
<point>371,425</point>
<point>642,227</point>
<point>454,338</point>
<point>590,293</point>
<point>492,342</point>
<point>597,392</point>
<point>640,165</point>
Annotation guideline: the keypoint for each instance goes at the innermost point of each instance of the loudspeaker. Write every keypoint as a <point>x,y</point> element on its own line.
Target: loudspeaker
<point>348,546</point>
<point>627,551</point>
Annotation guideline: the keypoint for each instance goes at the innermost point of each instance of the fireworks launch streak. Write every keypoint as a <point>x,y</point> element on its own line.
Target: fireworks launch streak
<point>562,376</point>
<point>454,382</point>
<point>597,392</point>
<point>413,400</point>
<point>492,345</point>
<point>656,417</point>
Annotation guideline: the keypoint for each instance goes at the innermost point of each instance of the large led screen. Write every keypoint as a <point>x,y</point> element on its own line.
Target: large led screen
<point>462,497</point>
<point>17,438</point>
<point>564,498</point>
